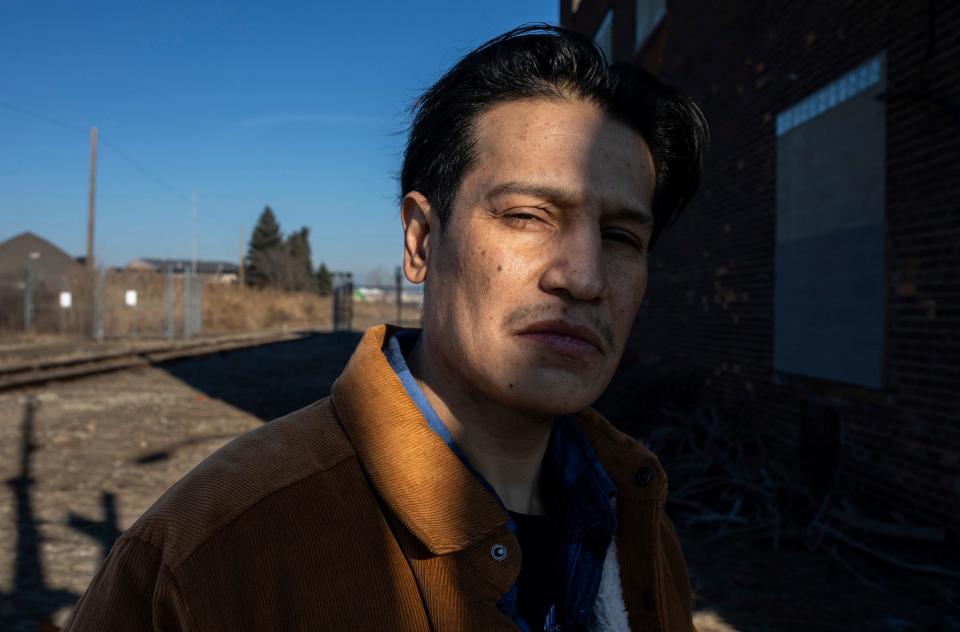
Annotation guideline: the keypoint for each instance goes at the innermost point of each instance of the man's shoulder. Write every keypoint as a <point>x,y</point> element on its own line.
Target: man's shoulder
<point>633,468</point>
<point>238,477</point>
<point>600,430</point>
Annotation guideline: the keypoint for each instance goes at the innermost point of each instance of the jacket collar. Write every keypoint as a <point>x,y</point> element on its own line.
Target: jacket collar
<point>421,480</point>
<point>424,483</point>
<point>634,470</point>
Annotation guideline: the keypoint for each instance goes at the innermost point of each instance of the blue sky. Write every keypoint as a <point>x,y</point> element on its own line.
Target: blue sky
<point>301,106</point>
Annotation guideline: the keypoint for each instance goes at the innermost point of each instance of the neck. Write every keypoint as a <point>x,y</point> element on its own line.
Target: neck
<point>505,446</point>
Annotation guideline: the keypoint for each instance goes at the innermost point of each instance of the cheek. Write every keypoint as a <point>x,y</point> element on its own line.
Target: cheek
<point>478,272</point>
<point>628,287</point>
<point>499,279</point>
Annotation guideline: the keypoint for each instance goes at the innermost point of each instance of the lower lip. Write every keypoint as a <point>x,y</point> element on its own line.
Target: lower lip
<point>560,343</point>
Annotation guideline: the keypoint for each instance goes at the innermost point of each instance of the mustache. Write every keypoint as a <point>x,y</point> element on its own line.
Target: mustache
<point>524,314</point>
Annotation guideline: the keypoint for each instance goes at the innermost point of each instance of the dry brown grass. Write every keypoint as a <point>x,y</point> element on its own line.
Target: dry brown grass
<point>370,314</point>
<point>149,317</point>
<point>232,308</point>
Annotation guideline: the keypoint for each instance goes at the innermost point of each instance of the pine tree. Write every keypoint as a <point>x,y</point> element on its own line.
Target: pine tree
<point>324,280</point>
<point>301,273</point>
<point>264,246</point>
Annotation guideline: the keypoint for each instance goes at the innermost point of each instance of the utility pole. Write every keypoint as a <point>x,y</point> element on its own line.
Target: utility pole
<point>91,197</point>
<point>193,263</point>
<point>242,276</point>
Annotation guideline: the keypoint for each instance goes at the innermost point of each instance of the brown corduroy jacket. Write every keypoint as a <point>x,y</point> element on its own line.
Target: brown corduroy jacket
<point>352,514</point>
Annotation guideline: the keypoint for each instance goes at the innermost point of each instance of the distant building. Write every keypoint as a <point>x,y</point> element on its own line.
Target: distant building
<point>219,271</point>
<point>44,260</point>
<point>814,284</point>
<point>33,272</point>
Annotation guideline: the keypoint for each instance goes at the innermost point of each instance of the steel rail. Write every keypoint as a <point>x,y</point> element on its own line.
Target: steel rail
<point>41,372</point>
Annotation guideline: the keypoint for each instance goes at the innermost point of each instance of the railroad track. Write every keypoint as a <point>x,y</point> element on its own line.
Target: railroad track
<point>69,368</point>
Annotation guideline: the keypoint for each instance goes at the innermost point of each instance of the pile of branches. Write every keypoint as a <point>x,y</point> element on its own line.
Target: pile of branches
<point>726,482</point>
<point>724,479</point>
<point>840,528</point>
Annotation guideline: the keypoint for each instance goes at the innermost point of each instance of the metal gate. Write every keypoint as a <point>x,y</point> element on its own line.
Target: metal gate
<point>342,301</point>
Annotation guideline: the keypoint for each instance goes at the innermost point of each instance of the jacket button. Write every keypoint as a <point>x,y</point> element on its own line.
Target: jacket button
<point>498,552</point>
<point>643,476</point>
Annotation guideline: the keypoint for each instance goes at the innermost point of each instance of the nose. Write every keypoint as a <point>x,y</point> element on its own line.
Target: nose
<point>575,268</point>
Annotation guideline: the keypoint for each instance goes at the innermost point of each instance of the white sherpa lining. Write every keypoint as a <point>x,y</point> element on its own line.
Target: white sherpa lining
<point>610,610</point>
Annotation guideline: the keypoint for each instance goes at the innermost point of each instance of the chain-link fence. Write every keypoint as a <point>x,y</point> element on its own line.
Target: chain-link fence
<point>102,304</point>
<point>126,304</point>
<point>357,307</point>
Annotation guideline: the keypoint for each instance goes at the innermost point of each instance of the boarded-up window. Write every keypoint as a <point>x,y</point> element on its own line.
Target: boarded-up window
<point>829,293</point>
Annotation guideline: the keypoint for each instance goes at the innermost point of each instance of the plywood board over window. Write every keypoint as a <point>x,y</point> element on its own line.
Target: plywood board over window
<point>830,279</point>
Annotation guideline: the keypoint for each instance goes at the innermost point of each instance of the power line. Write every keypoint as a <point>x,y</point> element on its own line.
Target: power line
<point>143,170</point>
<point>136,164</point>
<point>43,117</point>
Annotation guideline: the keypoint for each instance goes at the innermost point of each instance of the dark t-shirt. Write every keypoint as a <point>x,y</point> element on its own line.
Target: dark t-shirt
<point>540,584</point>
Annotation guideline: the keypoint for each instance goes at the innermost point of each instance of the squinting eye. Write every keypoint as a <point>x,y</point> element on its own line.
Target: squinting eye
<point>522,219</point>
<point>625,239</point>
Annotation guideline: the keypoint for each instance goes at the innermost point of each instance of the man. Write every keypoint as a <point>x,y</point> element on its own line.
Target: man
<point>455,479</point>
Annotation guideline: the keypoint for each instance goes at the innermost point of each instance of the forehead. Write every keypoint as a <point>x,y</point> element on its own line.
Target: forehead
<point>568,144</point>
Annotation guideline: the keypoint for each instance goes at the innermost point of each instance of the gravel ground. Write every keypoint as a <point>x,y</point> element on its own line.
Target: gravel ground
<point>104,445</point>
<point>104,448</point>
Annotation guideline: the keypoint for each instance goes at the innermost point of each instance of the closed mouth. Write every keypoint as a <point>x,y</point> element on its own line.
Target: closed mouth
<point>564,329</point>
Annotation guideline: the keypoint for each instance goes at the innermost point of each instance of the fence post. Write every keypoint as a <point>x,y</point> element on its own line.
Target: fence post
<point>342,301</point>
<point>335,282</point>
<point>349,301</point>
<point>187,298</point>
<point>169,303</point>
<point>337,291</point>
<point>62,309</point>
<point>198,308</point>
<point>136,313</point>
<point>99,278</point>
<point>28,301</point>
<point>398,277</point>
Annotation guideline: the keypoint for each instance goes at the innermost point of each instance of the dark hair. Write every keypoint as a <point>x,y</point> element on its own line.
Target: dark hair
<point>544,61</point>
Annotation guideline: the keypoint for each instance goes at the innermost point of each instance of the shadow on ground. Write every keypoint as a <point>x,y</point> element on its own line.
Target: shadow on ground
<point>271,380</point>
<point>31,601</point>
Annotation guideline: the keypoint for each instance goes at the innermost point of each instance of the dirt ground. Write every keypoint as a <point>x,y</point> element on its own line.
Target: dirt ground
<point>82,459</point>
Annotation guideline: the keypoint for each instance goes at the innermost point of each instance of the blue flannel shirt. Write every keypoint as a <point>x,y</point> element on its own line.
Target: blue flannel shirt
<point>578,492</point>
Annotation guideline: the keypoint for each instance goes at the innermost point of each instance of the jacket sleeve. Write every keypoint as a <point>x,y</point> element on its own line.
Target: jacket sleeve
<point>133,590</point>
<point>677,568</point>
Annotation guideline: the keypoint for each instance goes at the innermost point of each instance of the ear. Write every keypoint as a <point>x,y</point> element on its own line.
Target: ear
<point>418,219</point>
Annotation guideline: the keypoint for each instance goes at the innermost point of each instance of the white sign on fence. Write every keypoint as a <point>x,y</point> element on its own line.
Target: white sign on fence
<point>66,300</point>
<point>130,298</point>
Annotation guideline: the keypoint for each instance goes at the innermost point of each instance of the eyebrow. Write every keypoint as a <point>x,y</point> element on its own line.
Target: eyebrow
<point>564,198</point>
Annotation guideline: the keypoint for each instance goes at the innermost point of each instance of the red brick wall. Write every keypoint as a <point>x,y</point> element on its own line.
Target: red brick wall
<point>709,308</point>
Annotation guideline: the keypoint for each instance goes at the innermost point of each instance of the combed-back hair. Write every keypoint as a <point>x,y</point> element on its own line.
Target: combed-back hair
<point>544,61</point>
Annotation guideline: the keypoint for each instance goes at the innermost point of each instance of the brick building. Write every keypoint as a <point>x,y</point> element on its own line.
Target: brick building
<point>814,283</point>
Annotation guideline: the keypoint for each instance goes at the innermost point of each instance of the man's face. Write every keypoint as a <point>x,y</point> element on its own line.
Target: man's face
<point>533,284</point>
